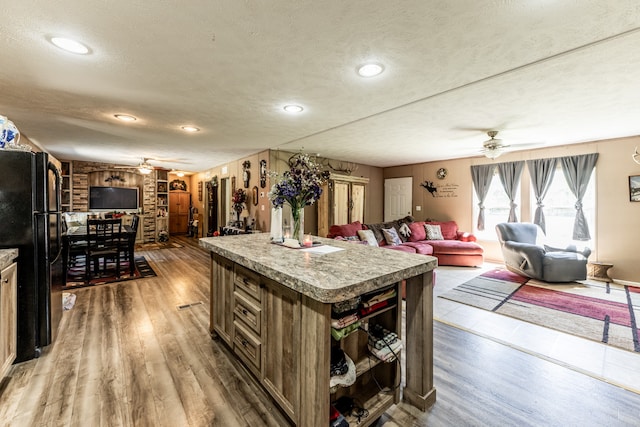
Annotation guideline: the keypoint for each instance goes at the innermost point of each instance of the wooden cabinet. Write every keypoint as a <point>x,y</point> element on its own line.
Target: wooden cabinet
<point>179,205</point>
<point>222,278</point>
<point>342,202</point>
<point>272,329</point>
<point>8,317</point>
<point>281,345</point>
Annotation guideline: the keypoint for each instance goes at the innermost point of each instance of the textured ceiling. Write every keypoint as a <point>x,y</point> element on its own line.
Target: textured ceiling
<point>541,72</point>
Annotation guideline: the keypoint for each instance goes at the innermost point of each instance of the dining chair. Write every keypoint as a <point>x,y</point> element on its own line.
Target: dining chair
<point>75,248</point>
<point>104,243</point>
<point>130,239</point>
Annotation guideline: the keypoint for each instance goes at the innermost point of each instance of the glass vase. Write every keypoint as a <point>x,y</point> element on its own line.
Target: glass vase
<point>297,221</point>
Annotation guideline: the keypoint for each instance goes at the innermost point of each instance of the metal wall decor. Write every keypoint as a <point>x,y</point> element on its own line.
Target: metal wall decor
<point>263,173</point>
<point>246,165</point>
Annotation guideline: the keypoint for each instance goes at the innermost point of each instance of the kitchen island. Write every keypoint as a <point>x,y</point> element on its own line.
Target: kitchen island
<point>272,305</point>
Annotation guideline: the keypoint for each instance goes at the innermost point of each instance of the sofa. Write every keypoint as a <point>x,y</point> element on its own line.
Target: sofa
<point>451,246</point>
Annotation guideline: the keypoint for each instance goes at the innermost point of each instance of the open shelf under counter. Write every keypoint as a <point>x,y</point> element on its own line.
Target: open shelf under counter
<point>297,291</point>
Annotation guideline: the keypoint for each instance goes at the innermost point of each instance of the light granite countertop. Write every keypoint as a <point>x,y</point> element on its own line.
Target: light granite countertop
<point>328,278</point>
<point>7,256</point>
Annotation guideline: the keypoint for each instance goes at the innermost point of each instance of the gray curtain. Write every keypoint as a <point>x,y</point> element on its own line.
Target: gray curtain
<point>577,171</point>
<point>541,172</point>
<point>481,176</point>
<point>510,173</point>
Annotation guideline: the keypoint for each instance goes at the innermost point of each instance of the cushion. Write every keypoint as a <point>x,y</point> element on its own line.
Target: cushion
<point>391,236</point>
<point>418,232</point>
<point>449,229</point>
<point>433,232</point>
<point>466,237</point>
<point>404,231</point>
<point>345,230</point>
<point>368,236</point>
<point>423,247</point>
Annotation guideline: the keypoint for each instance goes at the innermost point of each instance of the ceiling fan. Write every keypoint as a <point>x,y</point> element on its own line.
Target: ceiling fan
<point>493,148</point>
<point>144,167</point>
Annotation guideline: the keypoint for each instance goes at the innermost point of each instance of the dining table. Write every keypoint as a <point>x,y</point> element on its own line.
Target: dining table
<point>77,234</point>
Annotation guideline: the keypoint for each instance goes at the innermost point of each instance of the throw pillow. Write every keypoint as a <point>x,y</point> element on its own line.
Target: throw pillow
<point>368,236</point>
<point>433,232</point>
<point>344,230</point>
<point>405,231</point>
<point>391,236</point>
<point>417,232</point>
<point>449,229</point>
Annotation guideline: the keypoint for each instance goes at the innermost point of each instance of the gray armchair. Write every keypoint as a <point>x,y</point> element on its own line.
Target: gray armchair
<point>524,255</point>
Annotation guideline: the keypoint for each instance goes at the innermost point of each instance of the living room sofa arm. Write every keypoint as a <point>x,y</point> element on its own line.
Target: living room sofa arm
<point>585,252</point>
<point>465,236</point>
<point>524,256</point>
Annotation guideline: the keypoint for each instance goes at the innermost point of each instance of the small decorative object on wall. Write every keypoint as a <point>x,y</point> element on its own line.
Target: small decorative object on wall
<point>114,178</point>
<point>430,186</point>
<point>634,188</point>
<point>246,165</point>
<point>263,173</point>
<point>255,195</point>
<point>178,184</point>
<point>442,173</point>
<point>199,191</point>
<point>233,184</point>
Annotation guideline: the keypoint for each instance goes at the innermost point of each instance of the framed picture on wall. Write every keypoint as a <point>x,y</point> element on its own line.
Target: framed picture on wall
<point>634,188</point>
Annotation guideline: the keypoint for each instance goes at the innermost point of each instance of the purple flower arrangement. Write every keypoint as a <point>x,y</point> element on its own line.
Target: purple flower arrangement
<point>299,186</point>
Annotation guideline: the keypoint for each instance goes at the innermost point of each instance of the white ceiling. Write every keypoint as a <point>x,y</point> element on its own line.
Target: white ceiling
<point>540,71</point>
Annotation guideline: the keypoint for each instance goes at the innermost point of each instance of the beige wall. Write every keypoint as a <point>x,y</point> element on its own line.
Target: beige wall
<point>617,233</point>
<point>277,161</point>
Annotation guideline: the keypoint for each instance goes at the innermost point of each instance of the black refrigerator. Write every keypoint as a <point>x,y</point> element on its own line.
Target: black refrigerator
<point>30,220</point>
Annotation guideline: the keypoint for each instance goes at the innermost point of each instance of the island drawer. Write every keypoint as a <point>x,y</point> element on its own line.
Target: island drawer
<point>248,312</point>
<point>247,346</point>
<point>248,281</point>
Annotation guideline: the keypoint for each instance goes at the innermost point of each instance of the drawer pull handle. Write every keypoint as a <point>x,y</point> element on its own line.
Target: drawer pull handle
<point>245,280</point>
<point>5,281</point>
<point>244,343</point>
<point>245,312</point>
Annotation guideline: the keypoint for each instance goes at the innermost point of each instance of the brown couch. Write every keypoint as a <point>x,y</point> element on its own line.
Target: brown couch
<point>456,248</point>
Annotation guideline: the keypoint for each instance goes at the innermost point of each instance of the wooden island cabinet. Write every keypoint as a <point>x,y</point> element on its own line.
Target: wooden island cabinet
<point>272,306</point>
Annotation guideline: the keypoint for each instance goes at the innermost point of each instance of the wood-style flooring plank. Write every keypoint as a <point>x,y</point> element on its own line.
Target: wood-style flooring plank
<point>125,355</point>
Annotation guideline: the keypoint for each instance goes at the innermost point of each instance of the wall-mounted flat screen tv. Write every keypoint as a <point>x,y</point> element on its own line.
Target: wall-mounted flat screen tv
<point>113,198</point>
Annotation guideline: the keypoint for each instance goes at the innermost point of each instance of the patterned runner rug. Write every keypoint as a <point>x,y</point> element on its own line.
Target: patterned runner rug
<point>75,275</point>
<point>600,311</point>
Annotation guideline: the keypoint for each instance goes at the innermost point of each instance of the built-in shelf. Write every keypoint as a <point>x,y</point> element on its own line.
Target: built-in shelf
<point>162,203</point>
<point>66,187</point>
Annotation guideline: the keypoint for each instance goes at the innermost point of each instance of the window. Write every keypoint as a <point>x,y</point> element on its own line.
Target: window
<point>496,209</point>
<point>560,212</point>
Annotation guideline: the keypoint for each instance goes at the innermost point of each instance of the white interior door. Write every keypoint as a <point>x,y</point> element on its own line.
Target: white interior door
<point>397,198</point>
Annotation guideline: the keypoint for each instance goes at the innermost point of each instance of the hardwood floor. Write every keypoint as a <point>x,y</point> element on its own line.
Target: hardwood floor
<point>126,355</point>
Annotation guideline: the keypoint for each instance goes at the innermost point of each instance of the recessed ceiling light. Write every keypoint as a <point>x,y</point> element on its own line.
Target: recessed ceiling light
<point>293,108</point>
<point>180,174</point>
<point>190,128</point>
<point>70,45</point>
<point>370,70</point>
<point>125,117</point>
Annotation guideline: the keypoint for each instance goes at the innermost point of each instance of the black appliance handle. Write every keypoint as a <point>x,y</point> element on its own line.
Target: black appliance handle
<point>58,187</point>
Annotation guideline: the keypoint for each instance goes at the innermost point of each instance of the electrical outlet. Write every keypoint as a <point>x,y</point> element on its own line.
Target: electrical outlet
<point>418,208</point>
<point>261,207</point>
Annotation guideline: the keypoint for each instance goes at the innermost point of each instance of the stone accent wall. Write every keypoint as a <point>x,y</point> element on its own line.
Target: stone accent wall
<point>80,194</point>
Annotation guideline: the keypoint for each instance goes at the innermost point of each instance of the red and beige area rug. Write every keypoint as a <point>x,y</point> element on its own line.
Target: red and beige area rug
<point>600,311</point>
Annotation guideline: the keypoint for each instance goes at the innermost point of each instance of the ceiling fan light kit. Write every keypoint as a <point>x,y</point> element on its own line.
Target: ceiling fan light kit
<point>493,148</point>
